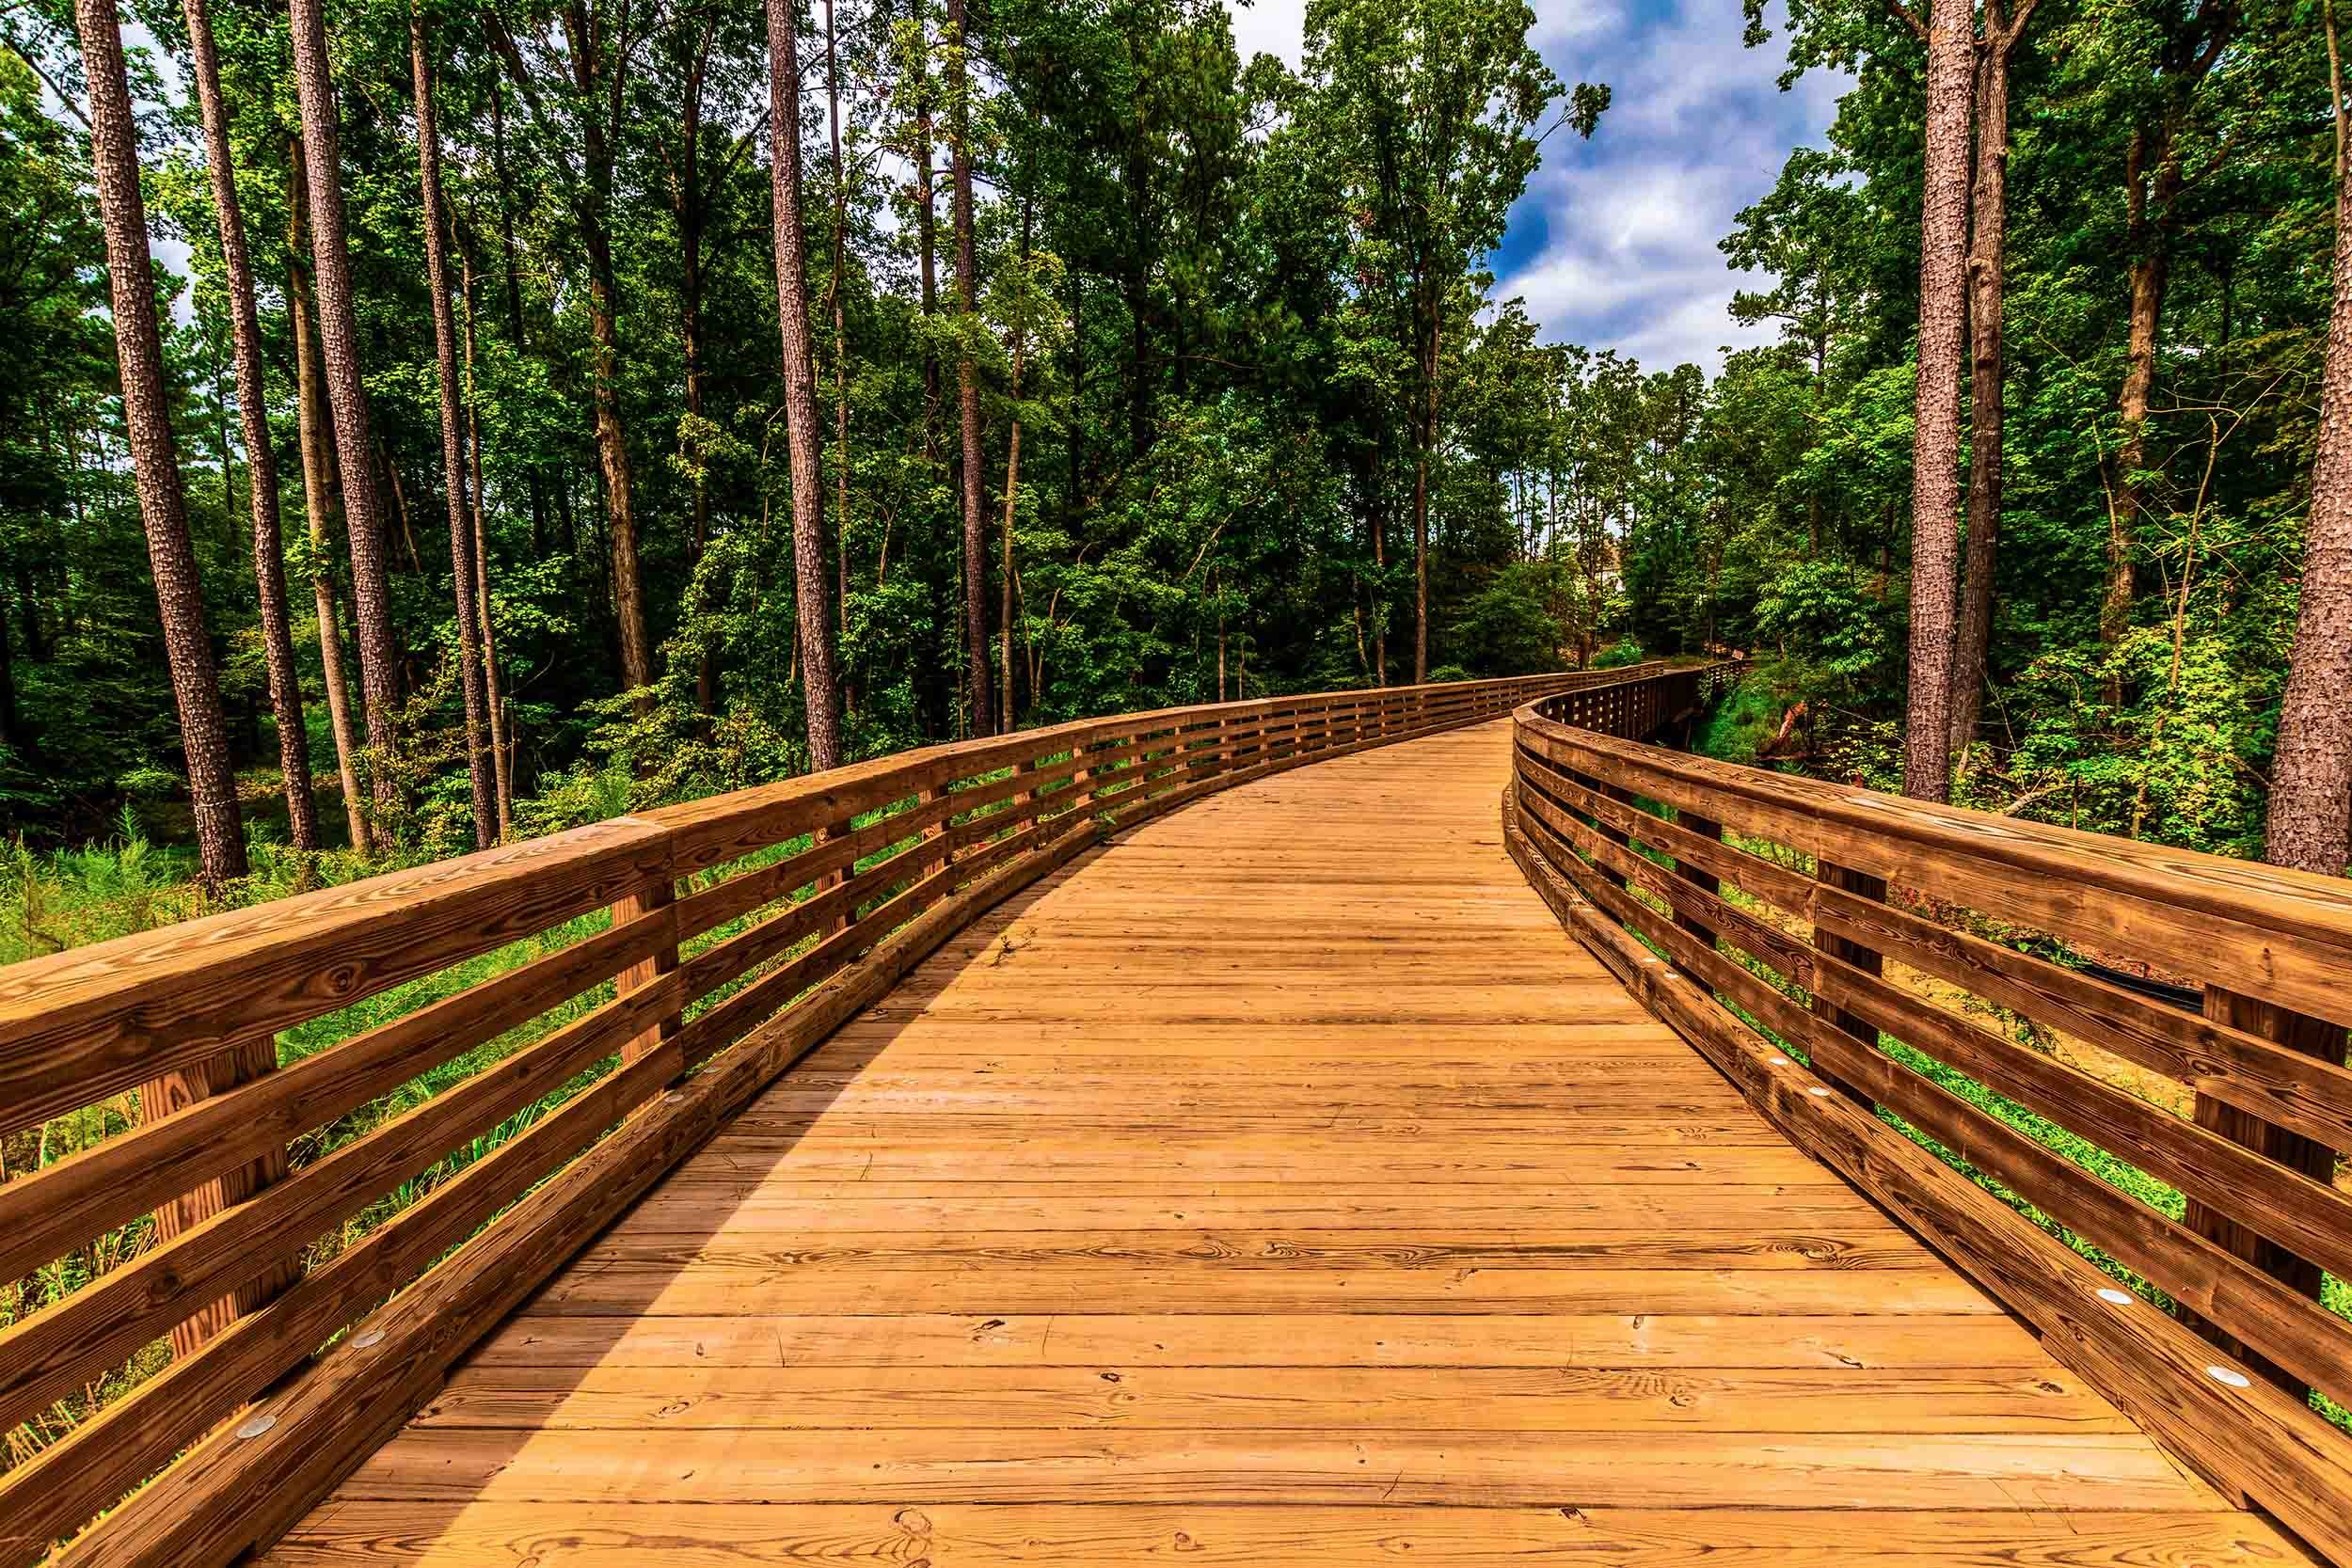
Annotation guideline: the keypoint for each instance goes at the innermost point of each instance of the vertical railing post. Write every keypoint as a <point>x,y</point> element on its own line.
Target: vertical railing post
<point>1698,877</point>
<point>1024,798</point>
<point>832,880</point>
<point>936,861</point>
<point>2312,1037</point>
<point>1862,886</point>
<point>656,895</point>
<point>1081,778</point>
<point>241,1063</point>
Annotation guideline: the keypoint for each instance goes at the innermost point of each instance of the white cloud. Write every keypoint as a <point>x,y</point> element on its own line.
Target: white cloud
<point>1277,27</point>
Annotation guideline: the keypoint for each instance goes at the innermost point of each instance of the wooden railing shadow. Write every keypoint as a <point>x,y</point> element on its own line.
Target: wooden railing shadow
<point>741,931</point>
<point>1887,980</point>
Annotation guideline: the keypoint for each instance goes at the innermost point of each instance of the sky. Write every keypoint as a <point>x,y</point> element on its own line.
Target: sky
<point>1614,244</point>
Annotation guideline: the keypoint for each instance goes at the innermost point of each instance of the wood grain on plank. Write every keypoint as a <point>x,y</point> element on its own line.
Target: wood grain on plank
<point>1887,1342</point>
<point>962,1535</point>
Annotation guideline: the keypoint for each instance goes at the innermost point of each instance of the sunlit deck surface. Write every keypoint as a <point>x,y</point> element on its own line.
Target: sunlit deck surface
<point>1277,1185</point>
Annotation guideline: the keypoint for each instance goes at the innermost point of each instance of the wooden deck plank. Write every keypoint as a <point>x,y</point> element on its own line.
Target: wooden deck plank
<point>631,1534</point>
<point>1931,1400</point>
<point>1279,1185</point>
<point>1432,1467</point>
<point>751,1339</point>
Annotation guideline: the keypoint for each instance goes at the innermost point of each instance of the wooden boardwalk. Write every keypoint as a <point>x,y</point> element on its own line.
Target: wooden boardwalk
<point>1279,1185</point>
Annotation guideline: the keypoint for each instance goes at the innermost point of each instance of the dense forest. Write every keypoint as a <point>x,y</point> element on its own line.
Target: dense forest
<point>575,403</point>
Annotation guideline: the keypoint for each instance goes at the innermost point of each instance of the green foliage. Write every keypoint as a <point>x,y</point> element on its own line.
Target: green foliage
<point>1513,625</point>
<point>1817,609</point>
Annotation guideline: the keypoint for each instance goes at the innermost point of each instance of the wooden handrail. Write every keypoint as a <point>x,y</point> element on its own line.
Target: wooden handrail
<point>1818,942</point>
<point>736,932</point>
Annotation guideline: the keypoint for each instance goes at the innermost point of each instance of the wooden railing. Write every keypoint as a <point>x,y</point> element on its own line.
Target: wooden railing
<point>742,930</point>
<point>1854,960</point>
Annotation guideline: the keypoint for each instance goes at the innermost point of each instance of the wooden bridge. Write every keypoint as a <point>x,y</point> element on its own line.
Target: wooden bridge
<point>1501,1140</point>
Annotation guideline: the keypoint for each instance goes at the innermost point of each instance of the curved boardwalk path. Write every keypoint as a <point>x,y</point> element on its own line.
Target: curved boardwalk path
<point>1280,1186</point>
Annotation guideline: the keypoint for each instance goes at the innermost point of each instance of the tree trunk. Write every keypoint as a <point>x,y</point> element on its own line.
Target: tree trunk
<point>154,452</point>
<point>925,223</point>
<point>1379,519</point>
<point>269,557</point>
<point>314,421</point>
<point>2310,826</point>
<point>1424,441</point>
<point>687,204</point>
<point>1935,442</point>
<point>355,443</point>
<point>2151,270</point>
<point>840,330</point>
<point>1986,286</point>
<point>11,736</point>
<point>628,587</point>
<point>501,767</point>
<point>1013,491</point>
<point>464,577</point>
<point>800,392</point>
<point>968,378</point>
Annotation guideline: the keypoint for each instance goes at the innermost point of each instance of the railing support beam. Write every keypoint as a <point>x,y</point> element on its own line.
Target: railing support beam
<point>2314,1037</point>
<point>1863,885</point>
<point>160,1096</point>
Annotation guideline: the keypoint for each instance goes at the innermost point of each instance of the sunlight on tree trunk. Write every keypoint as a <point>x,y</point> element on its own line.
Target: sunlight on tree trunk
<point>2311,786</point>
<point>269,559</point>
<point>339,335</point>
<point>799,393</point>
<point>154,454</point>
<point>1935,446</point>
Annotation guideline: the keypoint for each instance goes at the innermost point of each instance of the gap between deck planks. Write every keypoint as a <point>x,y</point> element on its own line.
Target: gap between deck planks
<point>1278,1184</point>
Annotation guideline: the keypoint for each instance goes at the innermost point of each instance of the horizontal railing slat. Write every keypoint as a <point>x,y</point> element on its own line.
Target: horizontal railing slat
<point>45,1212</point>
<point>81,1025</point>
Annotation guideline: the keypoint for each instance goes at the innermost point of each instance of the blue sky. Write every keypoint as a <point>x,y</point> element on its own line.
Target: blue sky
<point>1614,244</point>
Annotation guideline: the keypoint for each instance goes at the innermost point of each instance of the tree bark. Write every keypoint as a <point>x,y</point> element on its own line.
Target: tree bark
<point>800,392</point>
<point>840,330</point>
<point>154,452</point>
<point>1013,491</point>
<point>2310,826</point>
<point>1935,442</point>
<point>355,442</point>
<point>591,80</point>
<point>1379,520</point>
<point>926,224</point>
<point>12,735</point>
<point>501,759</point>
<point>2150,271</point>
<point>1987,371</point>
<point>480,770</point>
<point>690,208</point>
<point>968,378</point>
<point>1424,441</point>
<point>269,556</point>
<point>315,422</point>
